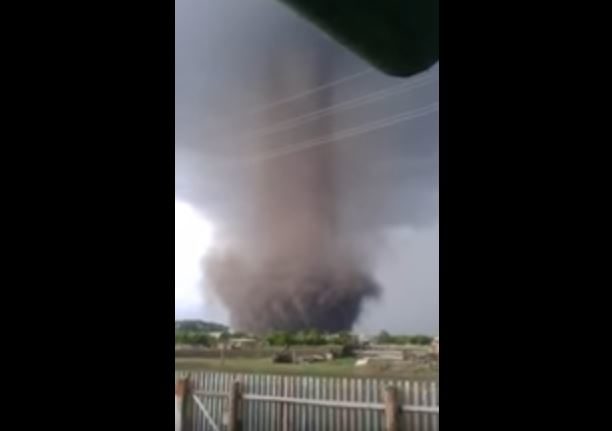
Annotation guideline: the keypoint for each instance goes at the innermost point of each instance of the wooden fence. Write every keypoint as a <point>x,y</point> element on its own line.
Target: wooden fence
<point>218,401</point>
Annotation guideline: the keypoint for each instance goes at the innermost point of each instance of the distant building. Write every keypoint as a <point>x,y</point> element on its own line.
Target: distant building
<point>435,345</point>
<point>365,338</point>
<point>242,343</point>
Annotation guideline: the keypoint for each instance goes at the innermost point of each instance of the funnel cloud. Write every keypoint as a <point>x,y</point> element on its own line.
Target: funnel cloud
<point>293,267</point>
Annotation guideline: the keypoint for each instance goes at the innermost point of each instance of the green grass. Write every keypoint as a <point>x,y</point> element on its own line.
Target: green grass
<point>337,368</point>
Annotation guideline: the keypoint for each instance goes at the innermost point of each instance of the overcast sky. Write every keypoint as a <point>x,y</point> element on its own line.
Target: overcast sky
<point>388,179</point>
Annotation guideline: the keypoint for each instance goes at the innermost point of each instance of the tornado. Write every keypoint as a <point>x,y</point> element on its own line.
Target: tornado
<point>291,265</point>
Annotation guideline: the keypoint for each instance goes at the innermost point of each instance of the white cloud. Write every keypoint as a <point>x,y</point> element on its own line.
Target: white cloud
<point>193,237</point>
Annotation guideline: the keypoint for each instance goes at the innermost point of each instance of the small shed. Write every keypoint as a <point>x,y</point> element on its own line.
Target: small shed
<point>242,343</point>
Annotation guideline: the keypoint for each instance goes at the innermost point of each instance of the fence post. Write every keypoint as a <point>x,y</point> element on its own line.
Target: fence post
<point>233,414</point>
<point>392,409</point>
<point>284,406</point>
<point>182,392</point>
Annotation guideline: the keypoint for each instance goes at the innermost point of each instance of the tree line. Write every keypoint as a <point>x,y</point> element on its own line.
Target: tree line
<point>309,338</point>
<point>197,336</point>
<point>420,340</point>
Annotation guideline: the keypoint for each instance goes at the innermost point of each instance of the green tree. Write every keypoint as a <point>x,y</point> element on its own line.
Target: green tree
<point>384,337</point>
<point>281,338</point>
<point>313,338</point>
<point>422,340</point>
<point>345,338</point>
<point>191,338</point>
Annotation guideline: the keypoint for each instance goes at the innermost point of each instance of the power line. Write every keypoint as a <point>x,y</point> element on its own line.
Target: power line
<point>348,133</point>
<point>262,108</point>
<point>308,92</point>
<point>325,139</point>
<point>339,107</point>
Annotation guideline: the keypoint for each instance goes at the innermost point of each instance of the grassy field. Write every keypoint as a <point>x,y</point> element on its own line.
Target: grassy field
<point>340,368</point>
